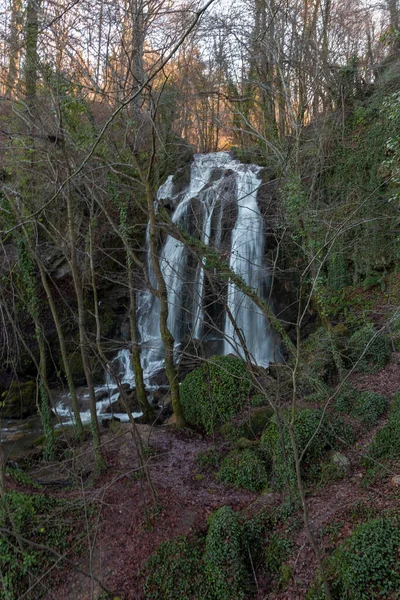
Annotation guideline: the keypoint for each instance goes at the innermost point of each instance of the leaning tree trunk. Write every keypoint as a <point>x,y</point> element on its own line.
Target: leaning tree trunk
<point>166,335</point>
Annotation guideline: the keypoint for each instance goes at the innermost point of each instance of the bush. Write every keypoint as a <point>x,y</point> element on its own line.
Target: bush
<point>244,469</point>
<point>386,444</point>
<point>377,354</point>
<point>41,520</point>
<point>325,434</point>
<point>366,565</point>
<point>367,407</point>
<point>215,392</point>
<point>173,570</point>
<point>224,557</point>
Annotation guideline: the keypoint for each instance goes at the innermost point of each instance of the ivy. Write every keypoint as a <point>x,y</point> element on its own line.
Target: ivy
<point>215,392</point>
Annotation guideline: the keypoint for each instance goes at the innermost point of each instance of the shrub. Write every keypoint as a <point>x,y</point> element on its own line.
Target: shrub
<point>386,444</point>
<point>215,392</point>
<point>224,557</point>
<point>367,407</point>
<point>313,434</point>
<point>244,469</point>
<point>366,565</point>
<point>376,355</point>
<point>173,570</point>
<point>41,520</point>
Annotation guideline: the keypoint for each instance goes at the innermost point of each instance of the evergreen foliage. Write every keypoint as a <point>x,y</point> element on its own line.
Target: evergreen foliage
<point>368,350</point>
<point>38,519</point>
<point>367,407</point>
<point>244,469</point>
<point>214,393</point>
<point>315,434</point>
<point>365,566</point>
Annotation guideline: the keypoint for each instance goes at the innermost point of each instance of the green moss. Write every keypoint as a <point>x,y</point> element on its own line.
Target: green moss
<point>244,469</point>
<point>215,392</point>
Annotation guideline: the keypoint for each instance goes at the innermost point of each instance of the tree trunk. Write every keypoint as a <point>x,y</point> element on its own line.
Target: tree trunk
<point>166,335</point>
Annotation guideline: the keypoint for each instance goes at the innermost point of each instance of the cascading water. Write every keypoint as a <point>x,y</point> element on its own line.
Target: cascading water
<point>219,207</point>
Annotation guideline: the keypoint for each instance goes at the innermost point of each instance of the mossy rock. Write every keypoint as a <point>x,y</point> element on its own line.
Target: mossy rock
<point>19,401</point>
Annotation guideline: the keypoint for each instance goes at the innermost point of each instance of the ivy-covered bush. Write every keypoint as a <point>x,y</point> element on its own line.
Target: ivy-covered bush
<point>367,407</point>
<point>215,392</point>
<point>368,350</point>
<point>314,434</point>
<point>366,566</point>
<point>318,364</point>
<point>225,556</point>
<point>386,445</point>
<point>244,469</point>
<point>216,567</point>
<point>42,520</point>
<point>173,570</point>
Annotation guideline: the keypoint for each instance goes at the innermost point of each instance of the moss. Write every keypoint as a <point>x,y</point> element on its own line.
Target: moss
<point>19,401</point>
<point>244,469</point>
<point>215,392</point>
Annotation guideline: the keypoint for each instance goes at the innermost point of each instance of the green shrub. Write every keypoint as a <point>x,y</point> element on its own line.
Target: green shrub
<point>215,392</point>
<point>366,566</point>
<point>367,407</point>
<point>225,556</point>
<point>41,520</point>
<point>386,444</point>
<point>174,570</point>
<point>377,354</point>
<point>244,469</point>
<point>211,458</point>
<point>314,434</point>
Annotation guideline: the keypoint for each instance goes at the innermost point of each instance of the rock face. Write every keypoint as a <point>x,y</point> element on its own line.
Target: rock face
<point>19,401</point>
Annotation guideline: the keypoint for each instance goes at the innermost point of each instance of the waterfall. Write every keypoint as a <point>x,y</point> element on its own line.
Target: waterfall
<point>219,207</point>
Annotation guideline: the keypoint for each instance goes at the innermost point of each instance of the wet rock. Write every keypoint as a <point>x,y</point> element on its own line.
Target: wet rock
<point>118,406</point>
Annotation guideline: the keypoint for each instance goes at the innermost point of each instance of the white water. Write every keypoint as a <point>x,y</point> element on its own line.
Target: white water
<point>217,183</point>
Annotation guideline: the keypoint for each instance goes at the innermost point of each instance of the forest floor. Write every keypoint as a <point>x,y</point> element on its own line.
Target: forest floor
<point>130,522</point>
